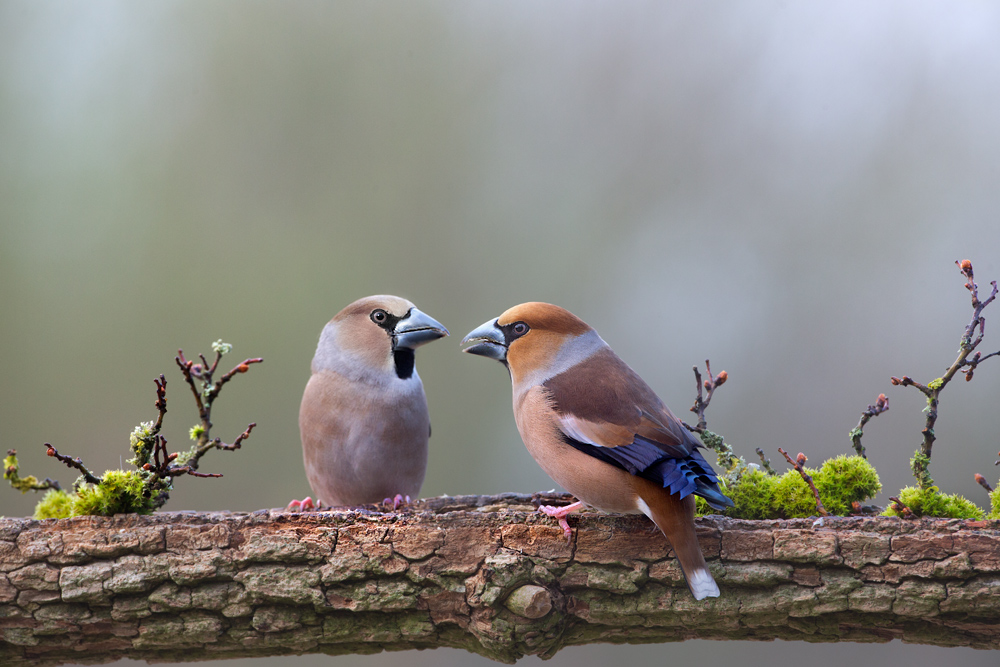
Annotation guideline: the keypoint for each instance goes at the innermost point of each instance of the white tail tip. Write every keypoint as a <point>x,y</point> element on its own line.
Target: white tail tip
<point>702,585</point>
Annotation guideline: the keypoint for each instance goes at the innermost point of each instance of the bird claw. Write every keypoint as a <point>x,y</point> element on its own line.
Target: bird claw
<point>560,513</point>
<point>396,501</point>
<point>304,505</point>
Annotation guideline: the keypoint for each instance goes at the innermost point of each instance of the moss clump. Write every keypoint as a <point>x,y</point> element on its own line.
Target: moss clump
<point>840,481</point>
<point>55,504</point>
<point>994,504</point>
<point>845,480</point>
<point>931,502</point>
<point>120,492</point>
<point>753,495</point>
<point>792,496</point>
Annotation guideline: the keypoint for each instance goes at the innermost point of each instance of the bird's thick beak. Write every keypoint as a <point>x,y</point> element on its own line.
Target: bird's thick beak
<point>416,329</point>
<point>488,341</point>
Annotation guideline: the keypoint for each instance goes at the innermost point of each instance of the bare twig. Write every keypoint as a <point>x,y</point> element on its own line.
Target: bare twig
<point>799,464</point>
<point>766,462</point>
<point>205,397</point>
<point>733,465</point>
<point>932,390</point>
<point>218,444</point>
<point>700,403</point>
<point>881,405</point>
<point>73,463</point>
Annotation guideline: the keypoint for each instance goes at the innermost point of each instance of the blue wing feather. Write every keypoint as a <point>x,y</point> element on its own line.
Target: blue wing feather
<point>643,458</point>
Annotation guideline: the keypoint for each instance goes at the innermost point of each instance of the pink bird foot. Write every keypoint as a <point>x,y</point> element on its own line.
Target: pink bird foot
<point>397,501</point>
<point>304,505</point>
<point>560,514</point>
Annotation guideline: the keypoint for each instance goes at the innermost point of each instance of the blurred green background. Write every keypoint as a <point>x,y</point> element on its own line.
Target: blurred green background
<point>780,187</point>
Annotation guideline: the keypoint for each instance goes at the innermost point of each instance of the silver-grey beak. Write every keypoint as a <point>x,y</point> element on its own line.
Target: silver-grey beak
<point>416,329</point>
<point>488,341</point>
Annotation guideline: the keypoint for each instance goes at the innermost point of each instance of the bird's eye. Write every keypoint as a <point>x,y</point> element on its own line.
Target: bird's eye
<point>379,316</point>
<point>520,328</point>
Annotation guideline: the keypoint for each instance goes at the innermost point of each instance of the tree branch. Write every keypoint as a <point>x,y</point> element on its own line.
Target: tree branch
<point>488,574</point>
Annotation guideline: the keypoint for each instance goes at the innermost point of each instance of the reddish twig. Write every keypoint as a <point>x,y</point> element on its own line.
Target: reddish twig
<point>218,444</point>
<point>239,368</point>
<point>799,464</point>
<point>205,397</point>
<point>881,405</point>
<point>73,463</point>
<point>900,508</point>
<point>983,483</point>
<point>161,402</point>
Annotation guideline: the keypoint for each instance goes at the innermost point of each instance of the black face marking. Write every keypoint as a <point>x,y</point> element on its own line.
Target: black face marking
<point>404,360</point>
<point>513,331</point>
<point>386,320</point>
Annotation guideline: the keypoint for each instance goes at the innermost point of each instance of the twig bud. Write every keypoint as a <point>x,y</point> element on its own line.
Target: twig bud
<point>242,368</point>
<point>801,459</point>
<point>721,378</point>
<point>51,451</point>
<point>983,483</point>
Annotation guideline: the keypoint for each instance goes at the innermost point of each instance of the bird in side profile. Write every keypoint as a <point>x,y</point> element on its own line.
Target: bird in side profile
<point>598,430</point>
<point>363,418</point>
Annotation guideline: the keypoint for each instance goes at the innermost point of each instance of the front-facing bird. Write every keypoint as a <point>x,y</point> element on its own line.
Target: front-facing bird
<point>363,418</point>
<point>598,430</point>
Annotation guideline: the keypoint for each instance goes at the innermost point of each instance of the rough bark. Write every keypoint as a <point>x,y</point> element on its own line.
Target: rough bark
<point>487,574</point>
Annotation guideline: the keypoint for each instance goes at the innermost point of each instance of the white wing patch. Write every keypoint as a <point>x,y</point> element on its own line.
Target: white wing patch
<point>578,429</point>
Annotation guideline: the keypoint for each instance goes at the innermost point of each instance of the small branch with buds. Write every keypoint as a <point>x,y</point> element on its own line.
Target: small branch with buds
<point>24,484</point>
<point>701,403</point>
<point>799,465</point>
<point>733,465</point>
<point>77,463</point>
<point>157,467</point>
<point>932,390</point>
<point>981,481</point>
<point>202,374</point>
<point>881,405</point>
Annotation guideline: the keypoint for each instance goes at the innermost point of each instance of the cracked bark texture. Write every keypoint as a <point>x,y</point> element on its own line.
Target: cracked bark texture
<point>483,573</point>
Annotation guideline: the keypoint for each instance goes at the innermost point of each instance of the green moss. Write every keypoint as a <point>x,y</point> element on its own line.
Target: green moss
<point>931,502</point>
<point>844,480</point>
<point>753,495</point>
<point>22,484</point>
<point>792,496</point>
<point>994,504</point>
<point>840,482</point>
<point>55,504</point>
<point>119,492</point>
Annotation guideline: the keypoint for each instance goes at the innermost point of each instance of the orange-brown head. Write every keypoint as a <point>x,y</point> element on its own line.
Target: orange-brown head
<point>535,341</point>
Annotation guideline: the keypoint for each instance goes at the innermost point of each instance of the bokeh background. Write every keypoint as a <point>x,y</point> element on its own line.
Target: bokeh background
<point>780,187</point>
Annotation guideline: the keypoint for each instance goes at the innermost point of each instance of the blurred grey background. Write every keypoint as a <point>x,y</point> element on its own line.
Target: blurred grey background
<point>780,187</point>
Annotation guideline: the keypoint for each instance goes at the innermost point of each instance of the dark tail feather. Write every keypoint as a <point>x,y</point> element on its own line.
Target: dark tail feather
<point>675,519</point>
<point>712,495</point>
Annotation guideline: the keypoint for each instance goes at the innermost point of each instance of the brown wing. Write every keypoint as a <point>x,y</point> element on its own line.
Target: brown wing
<point>605,403</point>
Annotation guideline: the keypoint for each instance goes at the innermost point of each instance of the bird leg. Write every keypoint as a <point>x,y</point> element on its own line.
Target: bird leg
<point>560,514</point>
<point>304,505</point>
<point>396,501</point>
